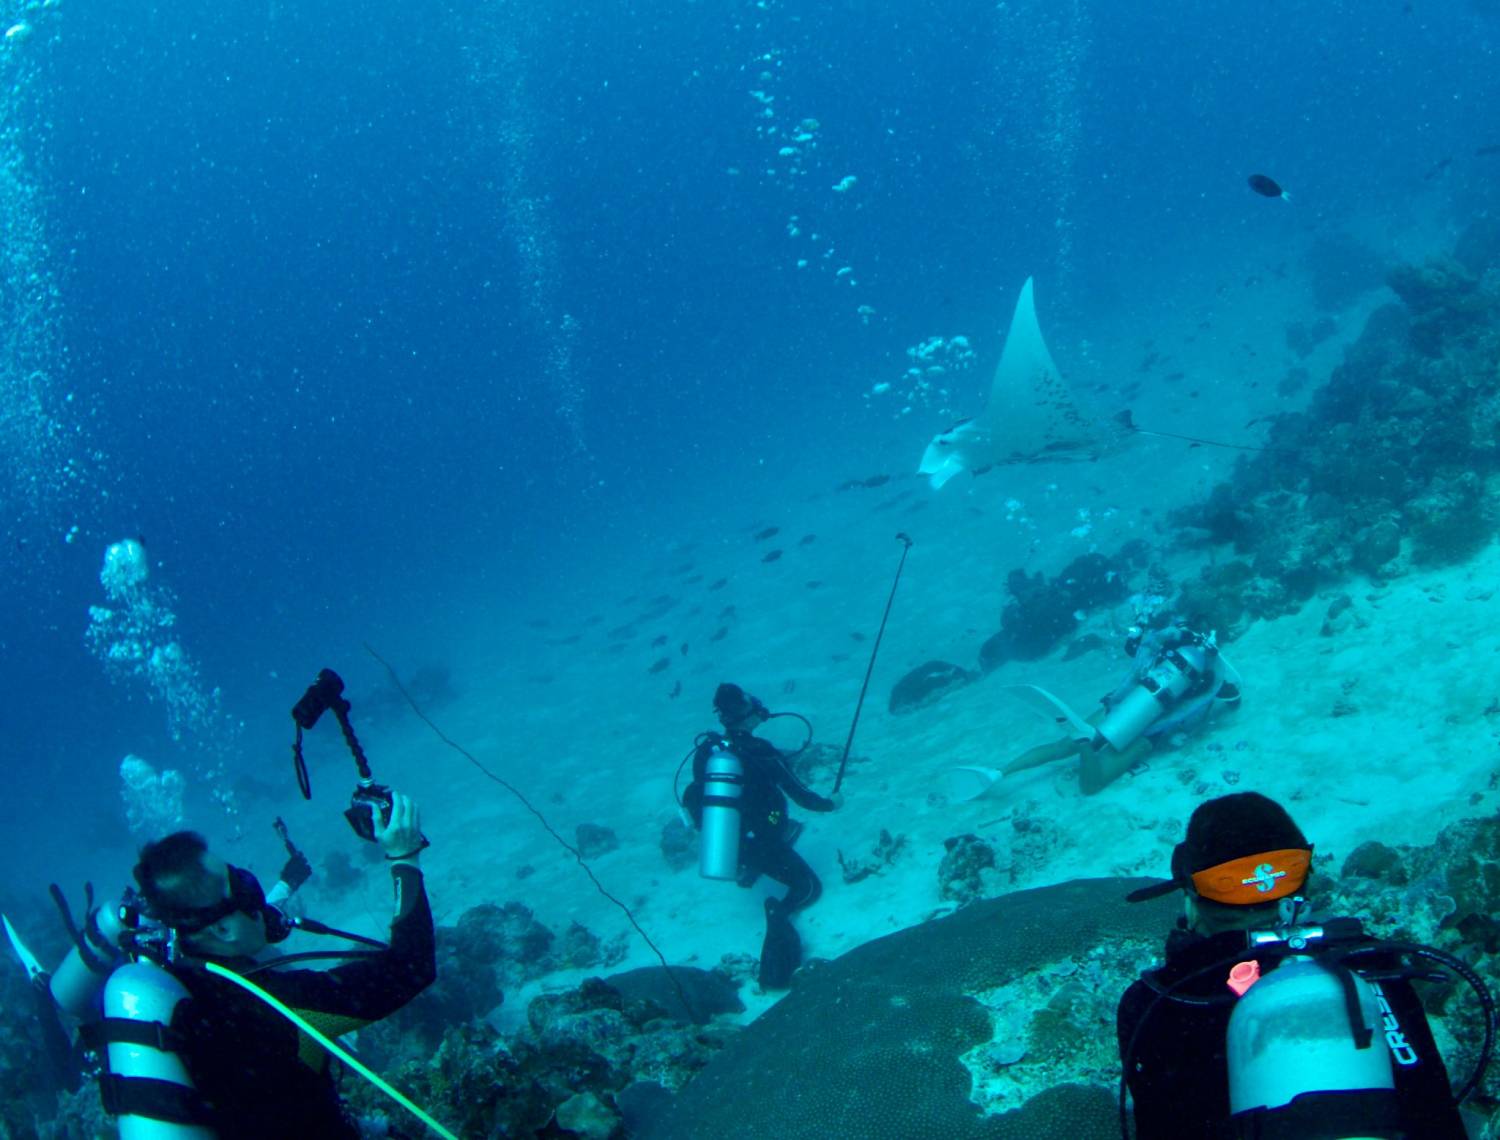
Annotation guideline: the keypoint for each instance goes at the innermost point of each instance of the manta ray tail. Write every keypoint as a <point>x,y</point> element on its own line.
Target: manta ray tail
<point>1127,423</point>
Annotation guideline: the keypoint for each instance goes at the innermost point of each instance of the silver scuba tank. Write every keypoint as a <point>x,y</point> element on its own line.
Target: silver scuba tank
<point>144,992</point>
<point>76,987</point>
<point>719,843</point>
<point>1291,1036</point>
<point>1165,682</point>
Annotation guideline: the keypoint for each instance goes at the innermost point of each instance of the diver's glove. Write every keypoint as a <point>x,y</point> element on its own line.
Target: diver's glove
<point>296,872</point>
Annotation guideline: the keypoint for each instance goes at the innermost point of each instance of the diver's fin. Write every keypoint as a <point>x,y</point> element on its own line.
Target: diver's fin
<point>62,1066</point>
<point>28,959</point>
<point>781,953</point>
<point>1044,704</point>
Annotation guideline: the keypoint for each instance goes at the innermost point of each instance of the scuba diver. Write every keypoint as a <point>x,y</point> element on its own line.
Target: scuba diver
<point>1177,680</point>
<point>1260,1024</point>
<point>191,1055</point>
<point>738,801</point>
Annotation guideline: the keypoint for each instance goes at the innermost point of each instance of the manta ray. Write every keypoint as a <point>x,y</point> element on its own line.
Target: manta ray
<point>1032,415</point>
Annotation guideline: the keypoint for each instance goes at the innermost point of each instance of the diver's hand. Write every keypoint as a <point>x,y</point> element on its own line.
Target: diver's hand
<point>296,872</point>
<point>401,837</point>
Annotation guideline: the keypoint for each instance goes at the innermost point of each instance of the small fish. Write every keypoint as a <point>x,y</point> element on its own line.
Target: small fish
<point>683,649</point>
<point>1268,187</point>
<point>769,532</point>
<point>772,556</point>
<point>676,692</point>
<point>661,666</point>
<point>621,633</point>
<point>693,581</point>
<point>856,636</point>
<point>658,641</point>
<point>720,634</point>
<point>807,540</point>
<point>1488,151</point>
<point>539,623</point>
<point>1437,168</point>
<point>571,639</point>
<point>877,481</point>
<point>814,584</point>
<point>718,583</point>
<point>727,612</point>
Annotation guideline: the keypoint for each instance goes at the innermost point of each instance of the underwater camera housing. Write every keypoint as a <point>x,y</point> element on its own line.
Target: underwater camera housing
<point>369,800</point>
<point>326,692</point>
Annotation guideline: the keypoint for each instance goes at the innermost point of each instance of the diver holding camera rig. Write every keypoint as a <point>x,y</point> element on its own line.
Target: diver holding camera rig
<point>190,1055</point>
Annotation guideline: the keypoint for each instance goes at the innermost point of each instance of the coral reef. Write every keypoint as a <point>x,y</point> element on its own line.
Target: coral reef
<point>1396,462</point>
<point>594,839</point>
<point>560,1074</point>
<point>679,844</point>
<point>1042,612</point>
<point>962,874</point>
<point>882,1042</point>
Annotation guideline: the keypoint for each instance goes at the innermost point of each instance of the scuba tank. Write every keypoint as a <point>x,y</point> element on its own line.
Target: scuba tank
<point>147,1084</point>
<point>1170,676</point>
<point>1308,1055</point>
<point>78,982</point>
<point>719,845</point>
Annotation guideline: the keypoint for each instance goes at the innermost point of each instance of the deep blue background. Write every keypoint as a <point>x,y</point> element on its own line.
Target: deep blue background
<point>300,334</point>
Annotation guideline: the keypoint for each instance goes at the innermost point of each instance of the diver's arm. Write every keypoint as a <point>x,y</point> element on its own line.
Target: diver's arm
<point>371,988</point>
<point>798,792</point>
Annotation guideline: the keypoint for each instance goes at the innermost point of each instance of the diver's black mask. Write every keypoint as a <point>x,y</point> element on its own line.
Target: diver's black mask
<point>245,897</point>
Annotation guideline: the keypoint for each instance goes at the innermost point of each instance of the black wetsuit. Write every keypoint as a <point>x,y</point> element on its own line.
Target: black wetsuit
<point>766,836</point>
<point>766,832</point>
<point>1178,1072</point>
<point>258,1076</point>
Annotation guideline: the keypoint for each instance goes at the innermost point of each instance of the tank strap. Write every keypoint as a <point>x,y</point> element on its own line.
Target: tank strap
<point>1358,1112</point>
<point>128,1031</point>
<point>166,1101</point>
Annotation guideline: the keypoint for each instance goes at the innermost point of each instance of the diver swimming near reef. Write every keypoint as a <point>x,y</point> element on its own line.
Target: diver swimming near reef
<point>1261,1023</point>
<point>1177,680</point>
<point>738,802</point>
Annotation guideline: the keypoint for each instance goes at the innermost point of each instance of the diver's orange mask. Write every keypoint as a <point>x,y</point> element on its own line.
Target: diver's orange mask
<point>1254,879</point>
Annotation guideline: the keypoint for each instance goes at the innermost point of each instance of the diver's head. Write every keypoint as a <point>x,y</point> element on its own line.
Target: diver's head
<point>737,710</point>
<point>218,911</point>
<point>1241,856</point>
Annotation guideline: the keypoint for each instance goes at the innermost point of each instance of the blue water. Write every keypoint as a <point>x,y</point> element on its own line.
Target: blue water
<point>372,320</point>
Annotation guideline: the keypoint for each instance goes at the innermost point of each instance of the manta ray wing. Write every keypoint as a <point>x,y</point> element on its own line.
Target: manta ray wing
<point>1032,415</point>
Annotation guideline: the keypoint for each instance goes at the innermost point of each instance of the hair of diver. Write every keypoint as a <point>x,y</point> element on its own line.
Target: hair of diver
<point>563,843</point>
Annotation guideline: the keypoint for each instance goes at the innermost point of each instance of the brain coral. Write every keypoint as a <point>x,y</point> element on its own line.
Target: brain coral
<point>868,1047</point>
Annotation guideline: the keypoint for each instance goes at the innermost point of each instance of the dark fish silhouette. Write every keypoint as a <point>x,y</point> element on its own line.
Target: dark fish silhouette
<point>683,648</point>
<point>661,665</point>
<point>1437,168</point>
<point>1268,187</point>
<point>807,540</point>
<point>771,556</point>
<point>1487,151</point>
<point>658,641</point>
<point>720,634</point>
<point>676,692</point>
<point>769,532</point>
<point>718,583</point>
